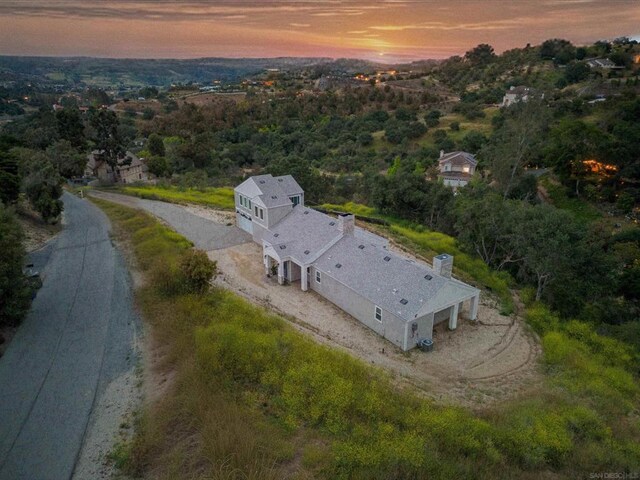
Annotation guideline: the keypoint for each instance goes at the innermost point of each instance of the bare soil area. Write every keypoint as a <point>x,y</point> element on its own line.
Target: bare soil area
<point>479,363</point>
<point>36,231</point>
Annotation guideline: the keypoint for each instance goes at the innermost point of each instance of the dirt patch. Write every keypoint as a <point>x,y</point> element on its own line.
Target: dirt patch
<point>219,216</point>
<point>476,365</point>
<point>36,231</point>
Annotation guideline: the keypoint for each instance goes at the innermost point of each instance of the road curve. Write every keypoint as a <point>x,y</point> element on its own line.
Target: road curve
<point>79,335</point>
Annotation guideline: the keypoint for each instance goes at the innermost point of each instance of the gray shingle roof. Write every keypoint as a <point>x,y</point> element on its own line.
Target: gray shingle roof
<point>302,232</point>
<point>268,190</point>
<point>387,282</point>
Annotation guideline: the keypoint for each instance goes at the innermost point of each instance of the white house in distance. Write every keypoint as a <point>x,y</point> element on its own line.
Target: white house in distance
<point>399,298</point>
<point>456,168</point>
<point>517,94</point>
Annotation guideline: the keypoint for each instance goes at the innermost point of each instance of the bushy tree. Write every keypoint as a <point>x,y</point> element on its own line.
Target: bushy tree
<point>70,127</point>
<point>14,290</point>
<point>197,270</point>
<point>516,143</point>
<point>106,135</point>
<point>155,145</point>
<point>41,183</point>
<point>66,158</point>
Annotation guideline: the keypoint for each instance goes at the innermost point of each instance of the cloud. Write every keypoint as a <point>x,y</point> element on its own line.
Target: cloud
<point>193,10</point>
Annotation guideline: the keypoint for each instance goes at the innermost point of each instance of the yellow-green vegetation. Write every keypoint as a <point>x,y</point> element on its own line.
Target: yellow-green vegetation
<point>221,197</point>
<point>254,399</point>
<point>428,243</point>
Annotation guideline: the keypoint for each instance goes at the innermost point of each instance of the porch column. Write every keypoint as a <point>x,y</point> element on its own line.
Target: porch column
<point>281,273</point>
<point>267,265</point>
<point>453,318</point>
<point>474,307</point>
<point>303,278</point>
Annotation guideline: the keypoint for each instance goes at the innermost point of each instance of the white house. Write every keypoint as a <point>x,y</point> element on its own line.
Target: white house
<point>517,94</point>
<point>399,298</point>
<point>456,168</point>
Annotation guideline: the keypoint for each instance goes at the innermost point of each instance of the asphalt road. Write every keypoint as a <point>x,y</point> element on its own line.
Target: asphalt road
<point>205,234</point>
<point>79,335</point>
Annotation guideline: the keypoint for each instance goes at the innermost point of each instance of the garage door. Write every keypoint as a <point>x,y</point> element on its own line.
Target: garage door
<point>245,224</point>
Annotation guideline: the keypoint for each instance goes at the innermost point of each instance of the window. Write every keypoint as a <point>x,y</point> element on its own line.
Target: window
<point>378,314</point>
<point>318,279</point>
<point>295,200</point>
<point>255,211</point>
<point>261,214</point>
<point>248,203</point>
<point>465,169</point>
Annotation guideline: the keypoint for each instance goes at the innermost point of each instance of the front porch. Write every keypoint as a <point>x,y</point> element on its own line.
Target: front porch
<point>286,271</point>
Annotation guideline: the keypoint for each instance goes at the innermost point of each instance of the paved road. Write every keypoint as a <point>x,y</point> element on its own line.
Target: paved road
<point>205,234</point>
<point>79,335</point>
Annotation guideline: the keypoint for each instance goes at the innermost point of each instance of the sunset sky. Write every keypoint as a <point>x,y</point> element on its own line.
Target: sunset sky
<point>386,30</point>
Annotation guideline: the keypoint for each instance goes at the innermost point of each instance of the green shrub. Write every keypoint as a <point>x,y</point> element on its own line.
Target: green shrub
<point>197,270</point>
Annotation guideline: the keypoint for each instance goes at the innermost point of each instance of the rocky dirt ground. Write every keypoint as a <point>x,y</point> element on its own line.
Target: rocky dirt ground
<point>476,365</point>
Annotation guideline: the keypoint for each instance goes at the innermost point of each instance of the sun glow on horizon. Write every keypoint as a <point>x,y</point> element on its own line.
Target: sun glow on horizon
<point>347,28</point>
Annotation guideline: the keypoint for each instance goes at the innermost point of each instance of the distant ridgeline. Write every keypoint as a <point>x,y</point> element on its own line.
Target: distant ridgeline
<point>160,72</point>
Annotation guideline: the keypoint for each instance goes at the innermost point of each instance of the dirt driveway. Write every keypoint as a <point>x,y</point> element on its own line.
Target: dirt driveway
<point>476,365</point>
<point>479,363</point>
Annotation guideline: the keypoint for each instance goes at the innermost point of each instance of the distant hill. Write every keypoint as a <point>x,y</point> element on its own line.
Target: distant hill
<point>106,72</point>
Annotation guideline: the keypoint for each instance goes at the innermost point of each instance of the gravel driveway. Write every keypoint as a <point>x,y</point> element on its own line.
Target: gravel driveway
<point>204,233</point>
<point>78,339</point>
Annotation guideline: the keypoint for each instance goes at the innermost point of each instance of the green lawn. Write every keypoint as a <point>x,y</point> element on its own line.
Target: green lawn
<point>252,398</point>
<point>221,197</point>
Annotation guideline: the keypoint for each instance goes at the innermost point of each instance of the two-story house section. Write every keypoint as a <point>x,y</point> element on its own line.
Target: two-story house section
<point>264,200</point>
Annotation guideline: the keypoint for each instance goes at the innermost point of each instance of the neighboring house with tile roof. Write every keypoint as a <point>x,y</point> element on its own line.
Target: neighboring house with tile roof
<point>456,168</point>
<point>399,298</point>
<point>130,168</point>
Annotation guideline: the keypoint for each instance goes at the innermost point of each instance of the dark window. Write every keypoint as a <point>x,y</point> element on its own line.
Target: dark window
<point>378,314</point>
<point>338,265</point>
<point>404,301</point>
<point>276,235</point>
<point>306,252</point>
<point>428,277</point>
<point>361,247</point>
<point>282,247</point>
<point>332,223</point>
<point>386,259</point>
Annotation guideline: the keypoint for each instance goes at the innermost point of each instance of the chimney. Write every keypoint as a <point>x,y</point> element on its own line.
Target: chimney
<point>443,265</point>
<point>346,223</point>
<point>441,153</point>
